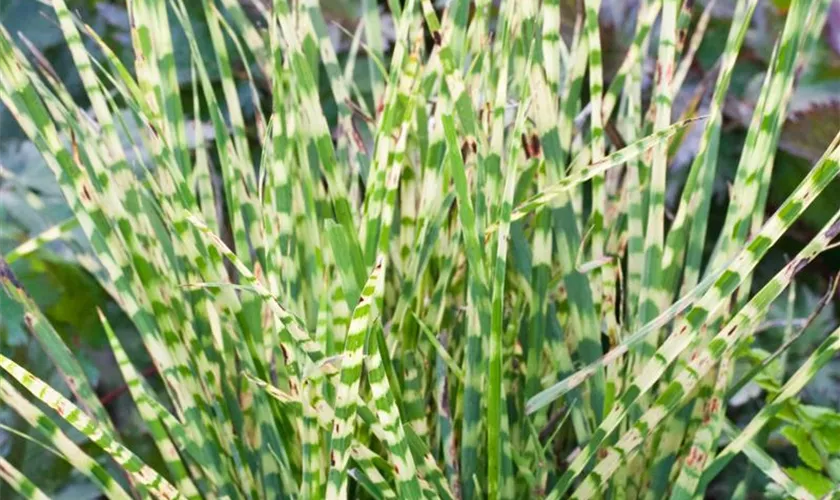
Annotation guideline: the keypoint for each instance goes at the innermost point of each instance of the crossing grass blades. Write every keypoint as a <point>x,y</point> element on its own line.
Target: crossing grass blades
<point>466,287</point>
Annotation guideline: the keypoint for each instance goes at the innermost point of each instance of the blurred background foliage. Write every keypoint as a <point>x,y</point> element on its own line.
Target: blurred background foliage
<point>804,438</point>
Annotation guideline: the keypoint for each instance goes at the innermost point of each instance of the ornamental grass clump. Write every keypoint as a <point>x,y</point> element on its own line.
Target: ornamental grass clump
<point>460,283</point>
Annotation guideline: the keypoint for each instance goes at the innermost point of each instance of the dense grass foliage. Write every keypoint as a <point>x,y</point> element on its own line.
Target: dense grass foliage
<point>463,284</point>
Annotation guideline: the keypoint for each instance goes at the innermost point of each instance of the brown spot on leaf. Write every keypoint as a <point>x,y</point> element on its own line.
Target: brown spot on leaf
<point>437,37</point>
<point>85,193</point>
<point>29,319</point>
<point>332,458</point>
<point>696,458</point>
<point>74,147</point>
<point>536,147</point>
<point>729,330</point>
<point>465,150</point>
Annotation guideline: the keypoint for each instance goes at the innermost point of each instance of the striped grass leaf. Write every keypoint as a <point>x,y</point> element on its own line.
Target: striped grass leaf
<point>140,472</point>
<point>766,464</point>
<point>52,343</point>
<point>19,482</point>
<point>695,201</point>
<point>252,259</point>
<point>163,442</point>
<point>67,449</point>
<point>479,321</point>
<point>584,174</point>
<point>652,297</point>
<point>292,331</point>
<point>389,417</point>
<point>725,284</point>
<point>364,314</point>
<point>33,244</point>
<point>368,476</point>
<point>826,350</point>
<point>683,384</point>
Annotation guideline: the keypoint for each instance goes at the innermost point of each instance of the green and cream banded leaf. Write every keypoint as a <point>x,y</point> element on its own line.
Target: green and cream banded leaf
<point>165,446</point>
<point>388,416</point>
<point>140,472</point>
<point>19,482</point>
<point>826,350</point>
<point>694,203</point>
<point>653,297</point>
<point>681,387</point>
<point>583,173</point>
<point>52,233</point>
<point>71,452</point>
<point>292,326</point>
<point>250,251</point>
<point>724,286</point>
<point>767,465</point>
<point>71,371</point>
<point>479,317</point>
<point>364,314</point>
<point>367,475</point>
